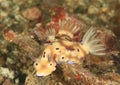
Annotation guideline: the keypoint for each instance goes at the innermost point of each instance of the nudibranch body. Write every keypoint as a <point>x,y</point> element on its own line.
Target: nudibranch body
<point>68,51</point>
<point>61,41</point>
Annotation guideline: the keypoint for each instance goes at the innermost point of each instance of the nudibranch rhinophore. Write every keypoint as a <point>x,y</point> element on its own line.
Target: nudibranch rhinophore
<point>65,50</point>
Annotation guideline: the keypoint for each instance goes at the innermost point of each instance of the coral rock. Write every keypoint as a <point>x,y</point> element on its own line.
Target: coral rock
<point>32,13</point>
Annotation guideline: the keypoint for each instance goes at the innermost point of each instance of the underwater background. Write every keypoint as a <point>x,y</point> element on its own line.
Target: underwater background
<point>19,17</point>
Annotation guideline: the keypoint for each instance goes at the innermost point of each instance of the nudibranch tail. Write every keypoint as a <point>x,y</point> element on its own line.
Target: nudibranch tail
<point>92,42</point>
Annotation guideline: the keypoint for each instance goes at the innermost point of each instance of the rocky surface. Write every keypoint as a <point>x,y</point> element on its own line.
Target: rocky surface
<point>20,16</point>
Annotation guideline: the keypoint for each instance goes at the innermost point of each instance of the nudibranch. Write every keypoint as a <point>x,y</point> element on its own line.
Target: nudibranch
<point>65,50</point>
<point>45,65</point>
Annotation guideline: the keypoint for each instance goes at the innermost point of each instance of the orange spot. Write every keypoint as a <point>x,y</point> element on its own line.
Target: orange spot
<point>9,35</point>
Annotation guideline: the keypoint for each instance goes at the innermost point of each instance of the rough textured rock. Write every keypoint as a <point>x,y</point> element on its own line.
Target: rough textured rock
<point>32,13</point>
<point>21,16</point>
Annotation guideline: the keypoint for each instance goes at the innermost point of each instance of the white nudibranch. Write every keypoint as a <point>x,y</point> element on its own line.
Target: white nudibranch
<point>68,51</point>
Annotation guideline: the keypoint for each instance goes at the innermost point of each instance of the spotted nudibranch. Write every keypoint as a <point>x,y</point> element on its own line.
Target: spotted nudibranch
<point>64,50</point>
